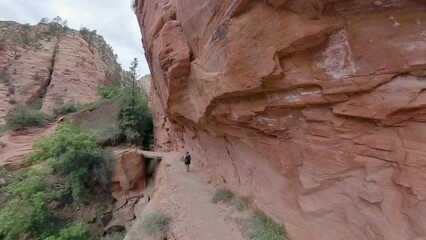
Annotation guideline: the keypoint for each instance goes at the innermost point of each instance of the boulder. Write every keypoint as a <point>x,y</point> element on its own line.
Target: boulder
<point>121,218</point>
<point>129,171</point>
<point>103,120</point>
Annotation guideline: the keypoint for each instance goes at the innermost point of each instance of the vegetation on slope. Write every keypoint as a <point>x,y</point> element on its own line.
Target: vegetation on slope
<point>65,109</point>
<point>258,226</point>
<point>262,227</point>
<point>71,169</point>
<point>155,223</point>
<point>222,195</point>
<point>132,121</point>
<point>73,162</point>
<point>23,116</point>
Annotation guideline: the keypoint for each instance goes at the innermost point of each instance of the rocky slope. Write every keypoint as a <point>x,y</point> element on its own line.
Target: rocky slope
<point>45,66</point>
<point>314,109</point>
<point>145,84</point>
<point>52,64</point>
<point>19,144</point>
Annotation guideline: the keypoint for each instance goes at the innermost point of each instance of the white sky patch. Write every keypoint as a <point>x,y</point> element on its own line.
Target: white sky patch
<point>113,19</point>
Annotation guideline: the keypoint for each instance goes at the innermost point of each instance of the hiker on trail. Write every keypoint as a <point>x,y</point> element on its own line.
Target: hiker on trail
<point>187,160</point>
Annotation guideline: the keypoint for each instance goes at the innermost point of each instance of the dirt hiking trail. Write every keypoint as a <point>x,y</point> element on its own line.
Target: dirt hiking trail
<point>186,199</point>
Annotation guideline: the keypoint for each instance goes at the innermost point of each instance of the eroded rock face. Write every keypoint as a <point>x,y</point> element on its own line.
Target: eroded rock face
<point>129,171</point>
<point>19,144</point>
<point>104,120</point>
<point>314,109</point>
<point>128,181</point>
<point>56,67</point>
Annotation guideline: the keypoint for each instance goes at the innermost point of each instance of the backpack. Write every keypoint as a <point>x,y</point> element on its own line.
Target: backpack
<point>188,158</point>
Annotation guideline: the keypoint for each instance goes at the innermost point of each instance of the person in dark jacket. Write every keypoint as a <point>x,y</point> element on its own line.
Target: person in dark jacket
<point>187,160</point>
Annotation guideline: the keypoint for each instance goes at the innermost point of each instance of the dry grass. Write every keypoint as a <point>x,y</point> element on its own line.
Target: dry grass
<point>155,223</point>
<point>261,227</point>
<point>222,195</point>
<point>241,203</point>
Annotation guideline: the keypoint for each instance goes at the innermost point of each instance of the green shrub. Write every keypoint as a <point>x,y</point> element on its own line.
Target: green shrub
<point>77,156</point>
<point>31,183</point>
<point>29,206</point>
<point>241,203</point>
<point>65,109</point>
<point>3,129</point>
<point>102,173</point>
<point>109,133</point>
<point>67,138</point>
<point>37,103</point>
<point>15,220</point>
<point>74,231</point>
<point>261,227</point>
<point>22,117</point>
<point>155,223</point>
<point>70,154</point>
<point>222,195</point>
<point>109,92</point>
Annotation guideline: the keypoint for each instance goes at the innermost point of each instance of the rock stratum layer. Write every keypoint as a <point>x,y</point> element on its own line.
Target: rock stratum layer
<point>314,109</point>
<point>51,64</point>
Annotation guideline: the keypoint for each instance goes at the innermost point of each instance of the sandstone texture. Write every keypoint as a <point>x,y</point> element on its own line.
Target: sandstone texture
<point>128,185</point>
<point>103,120</point>
<point>19,144</point>
<point>129,171</point>
<point>314,109</point>
<point>145,84</point>
<point>51,65</point>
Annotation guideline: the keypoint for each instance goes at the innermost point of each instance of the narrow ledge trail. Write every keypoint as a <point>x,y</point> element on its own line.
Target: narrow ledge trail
<point>186,199</point>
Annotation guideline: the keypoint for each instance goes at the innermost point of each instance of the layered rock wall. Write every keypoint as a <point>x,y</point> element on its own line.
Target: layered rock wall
<point>51,65</point>
<point>316,110</point>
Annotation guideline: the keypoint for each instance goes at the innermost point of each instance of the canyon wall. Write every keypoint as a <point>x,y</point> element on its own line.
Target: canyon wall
<point>315,109</point>
<point>51,64</point>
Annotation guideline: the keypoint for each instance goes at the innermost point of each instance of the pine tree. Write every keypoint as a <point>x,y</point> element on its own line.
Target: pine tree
<point>136,122</point>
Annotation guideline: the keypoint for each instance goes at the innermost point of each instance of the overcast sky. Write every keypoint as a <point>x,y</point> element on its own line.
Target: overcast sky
<point>113,19</point>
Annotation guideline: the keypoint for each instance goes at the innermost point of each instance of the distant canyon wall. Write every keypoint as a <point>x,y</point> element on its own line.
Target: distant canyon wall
<point>51,64</point>
<point>314,109</point>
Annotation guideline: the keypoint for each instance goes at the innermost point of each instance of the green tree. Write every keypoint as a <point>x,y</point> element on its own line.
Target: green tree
<point>133,77</point>
<point>135,118</point>
<point>57,19</point>
<point>44,20</point>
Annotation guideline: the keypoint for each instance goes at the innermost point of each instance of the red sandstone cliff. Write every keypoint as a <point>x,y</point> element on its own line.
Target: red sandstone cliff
<point>314,109</point>
<point>54,65</point>
<point>47,65</point>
